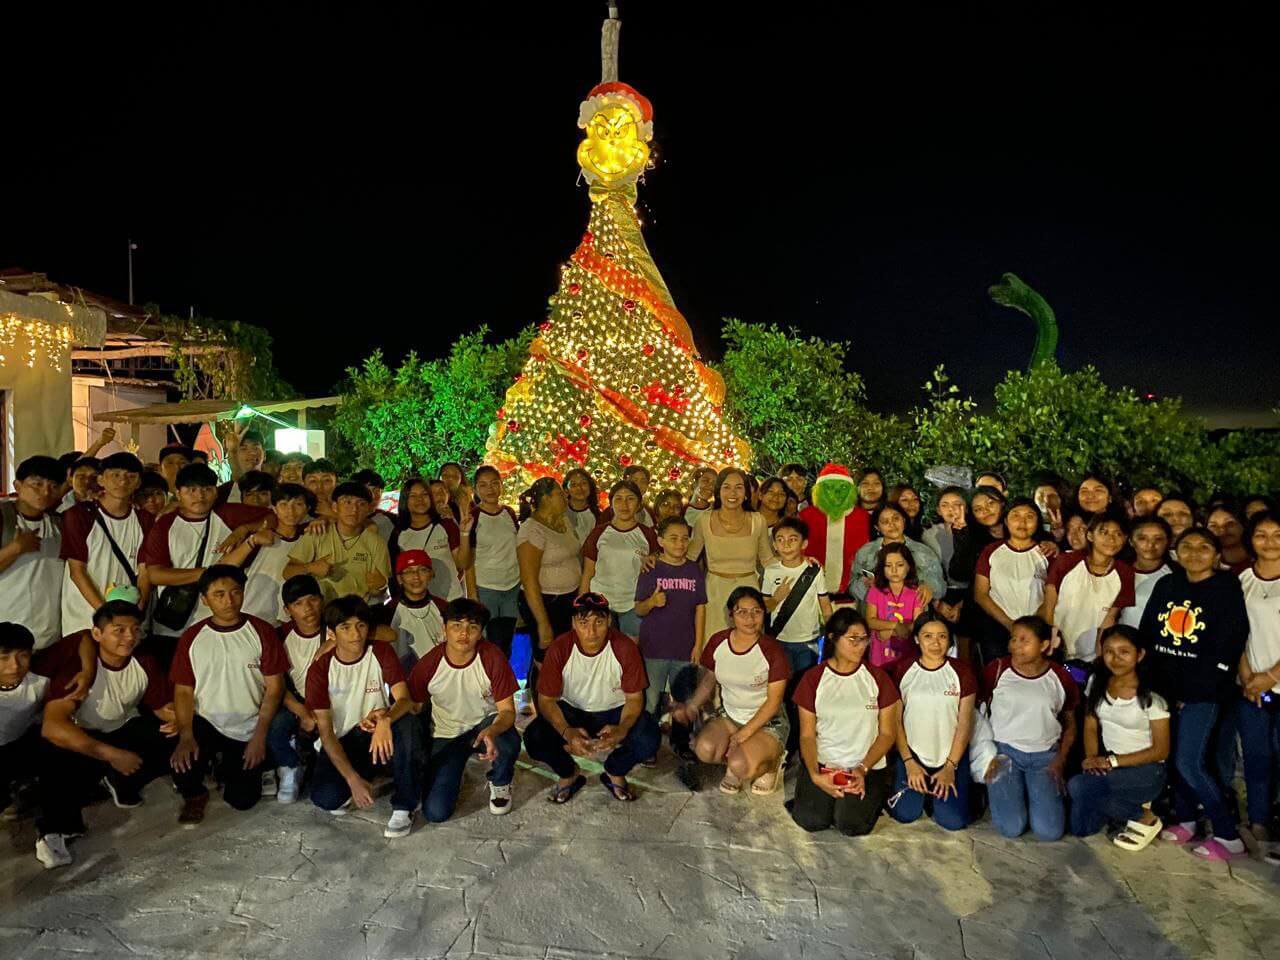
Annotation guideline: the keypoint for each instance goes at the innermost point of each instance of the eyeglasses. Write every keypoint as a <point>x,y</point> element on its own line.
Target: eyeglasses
<point>748,612</point>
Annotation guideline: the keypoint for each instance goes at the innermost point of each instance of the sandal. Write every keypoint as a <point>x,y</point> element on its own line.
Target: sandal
<point>1137,835</point>
<point>730,784</point>
<point>1214,850</point>
<point>767,783</point>
<point>620,791</point>
<point>565,794</point>
<point>1178,834</point>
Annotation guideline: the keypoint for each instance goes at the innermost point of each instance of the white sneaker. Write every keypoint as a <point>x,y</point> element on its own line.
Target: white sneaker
<point>288,778</point>
<point>51,850</point>
<point>343,810</point>
<point>399,825</point>
<point>499,799</point>
<point>269,783</point>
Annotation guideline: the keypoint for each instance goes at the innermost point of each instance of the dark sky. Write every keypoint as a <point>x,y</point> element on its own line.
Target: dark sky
<point>354,180</point>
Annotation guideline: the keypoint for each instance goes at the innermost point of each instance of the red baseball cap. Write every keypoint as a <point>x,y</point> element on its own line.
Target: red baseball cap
<point>412,558</point>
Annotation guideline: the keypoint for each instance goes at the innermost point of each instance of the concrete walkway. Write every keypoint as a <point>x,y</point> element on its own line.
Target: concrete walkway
<point>675,875</point>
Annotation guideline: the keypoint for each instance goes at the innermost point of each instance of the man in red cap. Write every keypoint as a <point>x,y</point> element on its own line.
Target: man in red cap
<point>837,525</point>
<point>416,616</point>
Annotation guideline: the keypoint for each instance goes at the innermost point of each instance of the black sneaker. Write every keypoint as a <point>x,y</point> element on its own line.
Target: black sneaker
<point>121,798</point>
<point>687,774</point>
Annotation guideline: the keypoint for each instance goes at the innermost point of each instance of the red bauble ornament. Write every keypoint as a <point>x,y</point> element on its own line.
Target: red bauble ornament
<point>727,452</point>
<point>673,473</point>
<point>625,460</point>
<point>628,304</point>
<point>519,377</point>
<point>582,353</point>
<point>588,237</point>
<point>575,288</point>
<point>502,413</point>
<point>648,349</point>
<point>544,326</point>
<point>584,421</point>
<point>513,426</point>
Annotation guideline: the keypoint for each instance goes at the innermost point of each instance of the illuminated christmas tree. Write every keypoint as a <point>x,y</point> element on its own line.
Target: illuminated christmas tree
<point>613,377</point>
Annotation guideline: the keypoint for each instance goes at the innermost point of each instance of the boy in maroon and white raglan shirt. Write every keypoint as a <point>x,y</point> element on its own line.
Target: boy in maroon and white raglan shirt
<point>228,678</point>
<point>303,636</point>
<point>360,728</point>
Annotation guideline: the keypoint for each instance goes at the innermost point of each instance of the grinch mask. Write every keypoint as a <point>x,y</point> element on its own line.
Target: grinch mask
<point>835,496</point>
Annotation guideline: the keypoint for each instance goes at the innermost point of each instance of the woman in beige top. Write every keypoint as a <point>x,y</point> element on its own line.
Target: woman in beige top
<point>736,540</point>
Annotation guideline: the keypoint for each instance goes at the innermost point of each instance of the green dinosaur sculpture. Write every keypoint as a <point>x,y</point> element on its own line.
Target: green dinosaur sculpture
<point>1012,292</point>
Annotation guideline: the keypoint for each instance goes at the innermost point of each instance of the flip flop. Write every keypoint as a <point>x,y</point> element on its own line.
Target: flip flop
<point>620,791</point>
<point>1177,834</point>
<point>1137,835</point>
<point>1214,850</point>
<point>565,794</point>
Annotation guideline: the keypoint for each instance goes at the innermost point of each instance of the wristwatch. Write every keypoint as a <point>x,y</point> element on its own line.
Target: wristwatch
<point>1113,760</point>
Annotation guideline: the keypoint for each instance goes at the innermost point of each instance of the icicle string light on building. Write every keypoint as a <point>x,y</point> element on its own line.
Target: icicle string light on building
<point>613,377</point>
<point>26,341</point>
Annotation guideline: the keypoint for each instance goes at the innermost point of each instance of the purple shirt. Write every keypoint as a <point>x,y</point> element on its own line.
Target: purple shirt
<point>666,633</point>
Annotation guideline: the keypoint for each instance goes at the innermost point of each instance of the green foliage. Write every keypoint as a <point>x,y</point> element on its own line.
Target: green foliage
<point>222,359</point>
<point>420,414</point>
<point>1249,462</point>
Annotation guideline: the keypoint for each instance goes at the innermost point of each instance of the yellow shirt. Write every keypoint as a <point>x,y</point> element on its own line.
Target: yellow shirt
<point>353,558</point>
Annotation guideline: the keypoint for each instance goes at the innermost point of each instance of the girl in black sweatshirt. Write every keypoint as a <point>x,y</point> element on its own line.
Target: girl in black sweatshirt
<point>1195,628</point>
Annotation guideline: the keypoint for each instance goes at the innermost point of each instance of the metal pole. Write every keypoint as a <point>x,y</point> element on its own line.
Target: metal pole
<point>132,247</point>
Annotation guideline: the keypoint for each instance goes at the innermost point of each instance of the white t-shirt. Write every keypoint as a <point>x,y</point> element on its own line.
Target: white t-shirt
<point>1025,710</point>
<point>1017,577</point>
<point>1262,601</point>
<point>301,652</point>
<point>83,540</point>
<point>1084,598</point>
<point>847,707</point>
<point>582,522</point>
<point>350,690</point>
<point>931,704</point>
<point>21,707</point>
<point>419,624</point>
<point>805,624</point>
<point>265,577</point>
<point>1126,725</point>
<point>618,555</point>
<point>228,667</point>
<point>461,696</point>
<point>1143,584</point>
<point>385,524</point>
<point>592,682</point>
<point>744,678</point>
<point>113,699</point>
<point>495,549</point>
<point>31,589</point>
<point>439,540</point>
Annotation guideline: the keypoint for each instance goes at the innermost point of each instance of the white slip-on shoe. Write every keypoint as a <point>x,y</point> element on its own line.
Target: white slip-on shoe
<point>51,850</point>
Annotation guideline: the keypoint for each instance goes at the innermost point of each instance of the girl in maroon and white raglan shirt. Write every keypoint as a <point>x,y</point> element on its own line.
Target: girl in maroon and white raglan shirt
<point>1085,590</point>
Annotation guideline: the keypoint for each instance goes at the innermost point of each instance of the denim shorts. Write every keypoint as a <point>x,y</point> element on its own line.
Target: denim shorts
<point>778,728</point>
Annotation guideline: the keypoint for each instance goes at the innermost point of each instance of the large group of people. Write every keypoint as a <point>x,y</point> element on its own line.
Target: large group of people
<point>1081,658</point>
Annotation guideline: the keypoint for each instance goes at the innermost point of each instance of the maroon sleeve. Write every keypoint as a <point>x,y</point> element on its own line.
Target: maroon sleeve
<point>502,678</point>
<point>806,693</point>
<point>1127,596</point>
<point>275,659</point>
<point>238,514</point>
<point>181,672</point>
<point>990,675</point>
<point>422,672</point>
<point>317,696</point>
<point>708,659</point>
<point>392,672</point>
<point>888,691</point>
<point>224,491</point>
<point>1068,685</point>
<point>441,605</point>
<point>1061,566</point>
<point>158,693</point>
<point>964,673</point>
<point>60,683</point>
<point>984,558</point>
<point>155,546</point>
<point>634,678</point>
<point>779,665</point>
<point>453,533</point>
<point>76,524</point>
<point>651,538</point>
<point>63,655</point>
<point>551,677</point>
<point>591,546</point>
<point>145,520</point>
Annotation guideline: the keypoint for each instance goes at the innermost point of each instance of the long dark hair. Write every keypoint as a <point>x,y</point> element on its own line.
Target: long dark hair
<point>722,476</point>
<point>902,550</point>
<point>403,519</point>
<point>593,492</point>
<point>1100,675</point>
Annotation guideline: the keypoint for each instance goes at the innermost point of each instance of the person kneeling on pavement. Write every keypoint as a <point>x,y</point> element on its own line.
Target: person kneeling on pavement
<point>591,700</point>
<point>294,725</point>
<point>106,737</point>
<point>360,729</point>
<point>471,689</point>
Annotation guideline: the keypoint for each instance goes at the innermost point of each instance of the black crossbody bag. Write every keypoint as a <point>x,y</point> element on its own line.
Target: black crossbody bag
<point>173,610</point>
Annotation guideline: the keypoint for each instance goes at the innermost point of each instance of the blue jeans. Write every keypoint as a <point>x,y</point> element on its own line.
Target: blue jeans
<point>907,806</point>
<point>1194,785</point>
<point>284,727</point>
<point>1026,794</point>
<point>504,610</point>
<point>1116,797</point>
<point>628,623</point>
<point>801,656</point>
<point>661,673</point>
<point>447,761</point>
<point>1260,735</point>
<point>330,791</point>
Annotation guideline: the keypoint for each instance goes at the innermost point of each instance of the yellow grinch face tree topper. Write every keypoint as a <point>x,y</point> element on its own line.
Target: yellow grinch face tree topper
<point>618,121</point>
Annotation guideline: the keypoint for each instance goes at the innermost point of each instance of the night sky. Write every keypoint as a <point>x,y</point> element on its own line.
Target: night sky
<point>364,179</point>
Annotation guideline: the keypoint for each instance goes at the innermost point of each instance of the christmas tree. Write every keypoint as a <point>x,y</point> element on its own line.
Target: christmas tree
<point>613,377</point>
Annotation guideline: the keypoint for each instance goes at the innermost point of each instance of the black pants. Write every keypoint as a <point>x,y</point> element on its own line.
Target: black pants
<point>559,607</point>
<point>66,777</point>
<point>543,743</point>
<point>241,788</point>
<point>20,762</point>
<point>853,816</point>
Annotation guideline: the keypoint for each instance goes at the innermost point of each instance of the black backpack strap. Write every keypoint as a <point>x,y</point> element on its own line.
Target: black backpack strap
<point>115,547</point>
<point>783,614</point>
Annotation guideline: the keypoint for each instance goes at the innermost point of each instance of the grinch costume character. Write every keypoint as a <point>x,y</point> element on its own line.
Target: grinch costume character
<point>838,527</point>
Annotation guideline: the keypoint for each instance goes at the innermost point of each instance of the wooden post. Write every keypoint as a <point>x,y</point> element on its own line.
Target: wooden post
<point>302,419</point>
<point>609,46</point>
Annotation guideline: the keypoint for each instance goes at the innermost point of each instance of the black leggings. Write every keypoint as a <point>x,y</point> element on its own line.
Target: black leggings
<point>853,816</point>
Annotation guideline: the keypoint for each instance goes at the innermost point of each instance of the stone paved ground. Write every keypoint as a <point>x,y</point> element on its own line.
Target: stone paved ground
<point>674,875</point>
